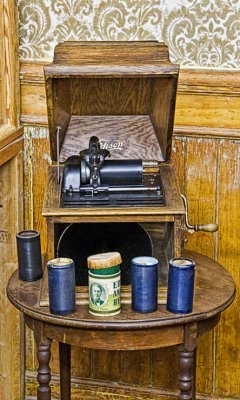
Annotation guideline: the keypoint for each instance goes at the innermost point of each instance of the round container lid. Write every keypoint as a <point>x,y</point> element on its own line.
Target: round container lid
<point>60,262</point>
<point>28,235</point>
<point>144,261</point>
<point>182,262</point>
<point>104,260</point>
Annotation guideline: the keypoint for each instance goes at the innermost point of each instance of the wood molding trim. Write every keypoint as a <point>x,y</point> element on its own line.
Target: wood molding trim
<point>89,388</point>
<point>209,82</point>
<point>206,132</point>
<point>8,134</point>
<point>12,149</point>
<point>193,80</point>
<point>207,101</point>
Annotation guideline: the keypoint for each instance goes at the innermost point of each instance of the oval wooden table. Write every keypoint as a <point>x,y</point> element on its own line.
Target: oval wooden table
<point>214,292</point>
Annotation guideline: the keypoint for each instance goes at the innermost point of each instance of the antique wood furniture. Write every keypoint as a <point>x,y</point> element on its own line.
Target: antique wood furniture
<point>11,196</point>
<point>124,93</point>
<point>214,292</point>
<point>11,221</point>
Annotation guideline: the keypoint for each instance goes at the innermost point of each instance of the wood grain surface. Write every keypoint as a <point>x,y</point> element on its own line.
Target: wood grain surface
<point>130,133</point>
<point>207,124</point>
<point>227,343</point>
<point>128,329</point>
<point>11,200</point>
<point>26,296</point>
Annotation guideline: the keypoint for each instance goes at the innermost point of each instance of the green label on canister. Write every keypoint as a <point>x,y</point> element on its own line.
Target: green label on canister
<point>104,294</point>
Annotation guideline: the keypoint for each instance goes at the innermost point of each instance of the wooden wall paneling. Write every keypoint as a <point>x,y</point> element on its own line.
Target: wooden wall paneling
<point>33,102</point>
<point>2,67</point>
<point>33,195</point>
<point>164,367</point>
<point>27,183</point>
<point>209,110</point>
<point>37,159</point>
<point>106,365</point>
<point>41,161</point>
<point>30,351</point>
<point>205,99</point>
<point>10,150</point>
<point>33,94</point>
<point>10,57</point>
<point>11,221</point>
<point>178,159</point>
<point>227,334</point>
<point>201,191</point>
<point>136,368</point>
<point>11,201</point>
<point>81,362</point>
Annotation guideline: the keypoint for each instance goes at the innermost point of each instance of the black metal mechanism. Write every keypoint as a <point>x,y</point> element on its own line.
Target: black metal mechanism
<point>89,179</point>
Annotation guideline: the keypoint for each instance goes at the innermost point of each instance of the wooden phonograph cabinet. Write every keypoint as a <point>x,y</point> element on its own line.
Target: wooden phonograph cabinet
<point>117,98</point>
<point>110,187</point>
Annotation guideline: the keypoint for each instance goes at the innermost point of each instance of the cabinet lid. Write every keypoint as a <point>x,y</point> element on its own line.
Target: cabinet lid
<point>112,79</point>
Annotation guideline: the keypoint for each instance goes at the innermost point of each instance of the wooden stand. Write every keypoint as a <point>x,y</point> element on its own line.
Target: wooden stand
<point>163,224</point>
<point>214,292</point>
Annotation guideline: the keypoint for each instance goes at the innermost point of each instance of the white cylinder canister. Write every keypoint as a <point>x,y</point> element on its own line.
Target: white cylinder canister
<point>104,284</point>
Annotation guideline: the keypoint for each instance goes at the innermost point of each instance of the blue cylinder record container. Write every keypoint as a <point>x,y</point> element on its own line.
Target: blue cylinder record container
<point>180,285</point>
<point>144,279</point>
<point>61,286</point>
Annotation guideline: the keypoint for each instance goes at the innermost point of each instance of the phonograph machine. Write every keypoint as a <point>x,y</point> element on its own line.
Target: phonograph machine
<point>110,187</point>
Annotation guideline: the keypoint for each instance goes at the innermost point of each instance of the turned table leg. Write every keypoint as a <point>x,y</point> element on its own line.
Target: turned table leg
<point>44,371</point>
<point>187,364</point>
<point>65,370</point>
<point>186,374</point>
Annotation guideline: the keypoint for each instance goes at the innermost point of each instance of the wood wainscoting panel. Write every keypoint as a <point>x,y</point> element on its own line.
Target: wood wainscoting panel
<point>195,161</point>
<point>178,159</point>
<point>106,365</point>
<point>37,160</point>
<point>136,368</point>
<point>164,368</point>
<point>227,333</point>
<point>11,201</point>
<point>201,191</point>
<point>206,110</point>
<point>205,99</point>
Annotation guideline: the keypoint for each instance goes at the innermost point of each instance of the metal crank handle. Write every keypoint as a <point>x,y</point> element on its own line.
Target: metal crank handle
<point>200,227</point>
<point>206,227</point>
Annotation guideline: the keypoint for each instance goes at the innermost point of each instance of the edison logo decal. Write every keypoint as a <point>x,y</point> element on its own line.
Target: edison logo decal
<point>111,144</point>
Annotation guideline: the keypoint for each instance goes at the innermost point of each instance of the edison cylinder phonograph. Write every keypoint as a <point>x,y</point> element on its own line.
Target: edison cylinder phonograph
<point>112,99</point>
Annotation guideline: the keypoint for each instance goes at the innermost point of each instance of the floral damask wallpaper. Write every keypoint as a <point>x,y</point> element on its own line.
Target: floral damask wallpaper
<point>199,33</point>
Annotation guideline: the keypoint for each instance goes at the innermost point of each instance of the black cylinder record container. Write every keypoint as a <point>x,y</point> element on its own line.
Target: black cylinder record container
<point>144,278</point>
<point>180,285</point>
<point>29,255</point>
<point>61,286</point>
